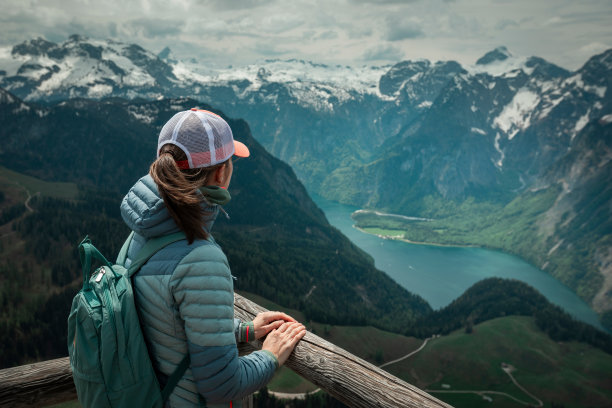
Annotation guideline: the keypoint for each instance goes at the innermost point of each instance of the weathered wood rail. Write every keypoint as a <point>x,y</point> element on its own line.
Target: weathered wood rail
<point>346,377</point>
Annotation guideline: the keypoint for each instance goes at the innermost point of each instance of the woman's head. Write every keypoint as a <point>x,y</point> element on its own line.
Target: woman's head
<point>194,150</point>
<point>204,137</point>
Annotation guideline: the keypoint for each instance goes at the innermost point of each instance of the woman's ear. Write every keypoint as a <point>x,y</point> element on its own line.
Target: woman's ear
<point>219,176</point>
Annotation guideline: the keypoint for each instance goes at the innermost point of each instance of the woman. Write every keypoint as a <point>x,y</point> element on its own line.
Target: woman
<point>184,293</point>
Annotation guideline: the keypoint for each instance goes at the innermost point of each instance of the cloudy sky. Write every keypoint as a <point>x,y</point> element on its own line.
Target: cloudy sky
<point>351,32</point>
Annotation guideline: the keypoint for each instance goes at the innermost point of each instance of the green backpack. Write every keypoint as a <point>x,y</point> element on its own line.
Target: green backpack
<point>110,362</point>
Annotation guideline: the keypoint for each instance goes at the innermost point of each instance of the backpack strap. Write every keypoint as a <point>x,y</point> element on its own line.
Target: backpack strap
<point>175,377</point>
<point>88,252</point>
<point>150,248</point>
<point>124,249</point>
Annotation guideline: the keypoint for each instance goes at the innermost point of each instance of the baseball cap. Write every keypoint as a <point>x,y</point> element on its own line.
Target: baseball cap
<point>204,136</point>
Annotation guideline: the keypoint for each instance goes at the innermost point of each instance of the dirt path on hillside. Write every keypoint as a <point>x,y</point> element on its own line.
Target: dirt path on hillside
<point>482,393</point>
<point>302,395</point>
<point>411,353</point>
<point>27,201</point>
<point>508,369</point>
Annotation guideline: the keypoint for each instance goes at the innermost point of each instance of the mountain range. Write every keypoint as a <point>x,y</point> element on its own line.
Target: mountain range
<point>395,138</point>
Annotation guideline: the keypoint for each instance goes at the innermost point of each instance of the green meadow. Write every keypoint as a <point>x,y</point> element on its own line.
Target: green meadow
<point>13,181</point>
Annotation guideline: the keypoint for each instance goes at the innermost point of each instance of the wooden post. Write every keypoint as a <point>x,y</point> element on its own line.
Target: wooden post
<point>34,385</point>
<point>346,377</point>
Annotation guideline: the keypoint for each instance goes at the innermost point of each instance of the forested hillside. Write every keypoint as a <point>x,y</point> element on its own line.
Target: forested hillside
<point>278,242</point>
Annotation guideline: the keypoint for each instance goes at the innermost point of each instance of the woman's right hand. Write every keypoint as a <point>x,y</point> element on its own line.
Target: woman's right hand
<point>282,341</point>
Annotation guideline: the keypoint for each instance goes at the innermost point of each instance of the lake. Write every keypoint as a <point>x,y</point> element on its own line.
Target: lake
<point>441,274</point>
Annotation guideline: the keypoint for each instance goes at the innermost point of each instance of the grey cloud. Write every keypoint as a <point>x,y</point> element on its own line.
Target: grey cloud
<point>379,2</point>
<point>358,32</point>
<point>505,23</point>
<point>327,35</point>
<point>308,34</point>
<point>269,50</point>
<point>586,17</point>
<point>279,23</point>
<point>239,4</point>
<point>462,25</point>
<point>383,53</point>
<point>112,29</point>
<point>156,27</point>
<point>401,29</point>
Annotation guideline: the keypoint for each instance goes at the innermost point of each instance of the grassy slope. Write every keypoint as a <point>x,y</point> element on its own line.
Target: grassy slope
<point>12,180</point>
<point>568,373</point>
<point>561,373</point>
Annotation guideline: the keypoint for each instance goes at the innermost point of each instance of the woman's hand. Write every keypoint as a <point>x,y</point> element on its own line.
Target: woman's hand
<point>282,341</point>
<point>265,322</point>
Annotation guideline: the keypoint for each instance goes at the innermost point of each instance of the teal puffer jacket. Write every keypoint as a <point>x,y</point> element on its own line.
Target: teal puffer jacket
<point>185,297</point>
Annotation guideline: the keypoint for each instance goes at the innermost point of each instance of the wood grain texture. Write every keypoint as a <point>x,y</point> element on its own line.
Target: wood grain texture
<point>39,384</point>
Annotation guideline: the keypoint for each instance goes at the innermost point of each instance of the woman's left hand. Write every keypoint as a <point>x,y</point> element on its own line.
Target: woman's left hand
<point>265,322</point>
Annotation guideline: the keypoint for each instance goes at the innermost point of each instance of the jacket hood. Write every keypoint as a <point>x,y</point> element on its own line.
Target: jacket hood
<point>144,211</point>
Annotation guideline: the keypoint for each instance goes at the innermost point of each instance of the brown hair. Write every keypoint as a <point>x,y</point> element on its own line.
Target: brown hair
<point>179,190</point>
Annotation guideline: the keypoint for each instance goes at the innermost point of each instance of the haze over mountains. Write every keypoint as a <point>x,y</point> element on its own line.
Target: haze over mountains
<point>404,138</point>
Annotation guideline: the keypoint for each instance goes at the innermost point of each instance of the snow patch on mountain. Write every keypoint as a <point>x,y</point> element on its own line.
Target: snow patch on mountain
<point>502,155</point>
<point>478,130</point>
<point>578,81</point>
<point>10,63</point>
<point>516,116</point>
<point>362,79</point>
<point>313,85</point>
<point>508,68</point>
<point>606,119</point>
<point>96,67</point>
<point>8,99</point>
<point>142,114</point>
<point>581,123</point>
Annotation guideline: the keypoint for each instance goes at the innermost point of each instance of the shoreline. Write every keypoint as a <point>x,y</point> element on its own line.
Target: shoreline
<point>382,214</point>
<point>417,242</point>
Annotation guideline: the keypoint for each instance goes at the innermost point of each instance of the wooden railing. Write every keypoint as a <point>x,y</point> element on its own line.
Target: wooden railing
<point>346,377</point>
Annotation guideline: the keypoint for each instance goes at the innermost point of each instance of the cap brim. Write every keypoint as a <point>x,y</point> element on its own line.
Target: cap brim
<point>240,149</point>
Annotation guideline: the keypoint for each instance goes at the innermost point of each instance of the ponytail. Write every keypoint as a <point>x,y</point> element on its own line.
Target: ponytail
<point>179,190</point>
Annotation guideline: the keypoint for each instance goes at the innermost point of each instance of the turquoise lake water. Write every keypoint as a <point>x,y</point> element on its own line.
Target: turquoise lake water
<point>441,274</point>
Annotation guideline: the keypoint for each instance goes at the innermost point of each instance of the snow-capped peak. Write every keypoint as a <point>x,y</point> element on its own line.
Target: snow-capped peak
<point>500,62</point>
<point>92,66</point>
<point>496,55</point>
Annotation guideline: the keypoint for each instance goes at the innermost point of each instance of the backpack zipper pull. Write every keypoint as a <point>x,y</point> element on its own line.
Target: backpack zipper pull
<point>99,277</point>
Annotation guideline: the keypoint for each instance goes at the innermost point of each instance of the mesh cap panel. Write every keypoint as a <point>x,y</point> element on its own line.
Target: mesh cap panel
<point>205,137</point>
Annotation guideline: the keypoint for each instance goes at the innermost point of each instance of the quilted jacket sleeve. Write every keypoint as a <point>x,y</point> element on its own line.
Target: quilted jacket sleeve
<point>203,290</point>
<point>244,332</point>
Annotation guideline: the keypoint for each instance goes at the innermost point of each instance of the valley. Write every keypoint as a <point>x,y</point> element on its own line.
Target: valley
<point>510,153</point>
<point>442,272</point>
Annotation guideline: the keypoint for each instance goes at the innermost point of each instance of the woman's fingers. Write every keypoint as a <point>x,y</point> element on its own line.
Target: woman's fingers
<point>291,329</point>
<point>271,316</point>
<point>274,325</point>
<point>282,341</point>
<point>264,322</point>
